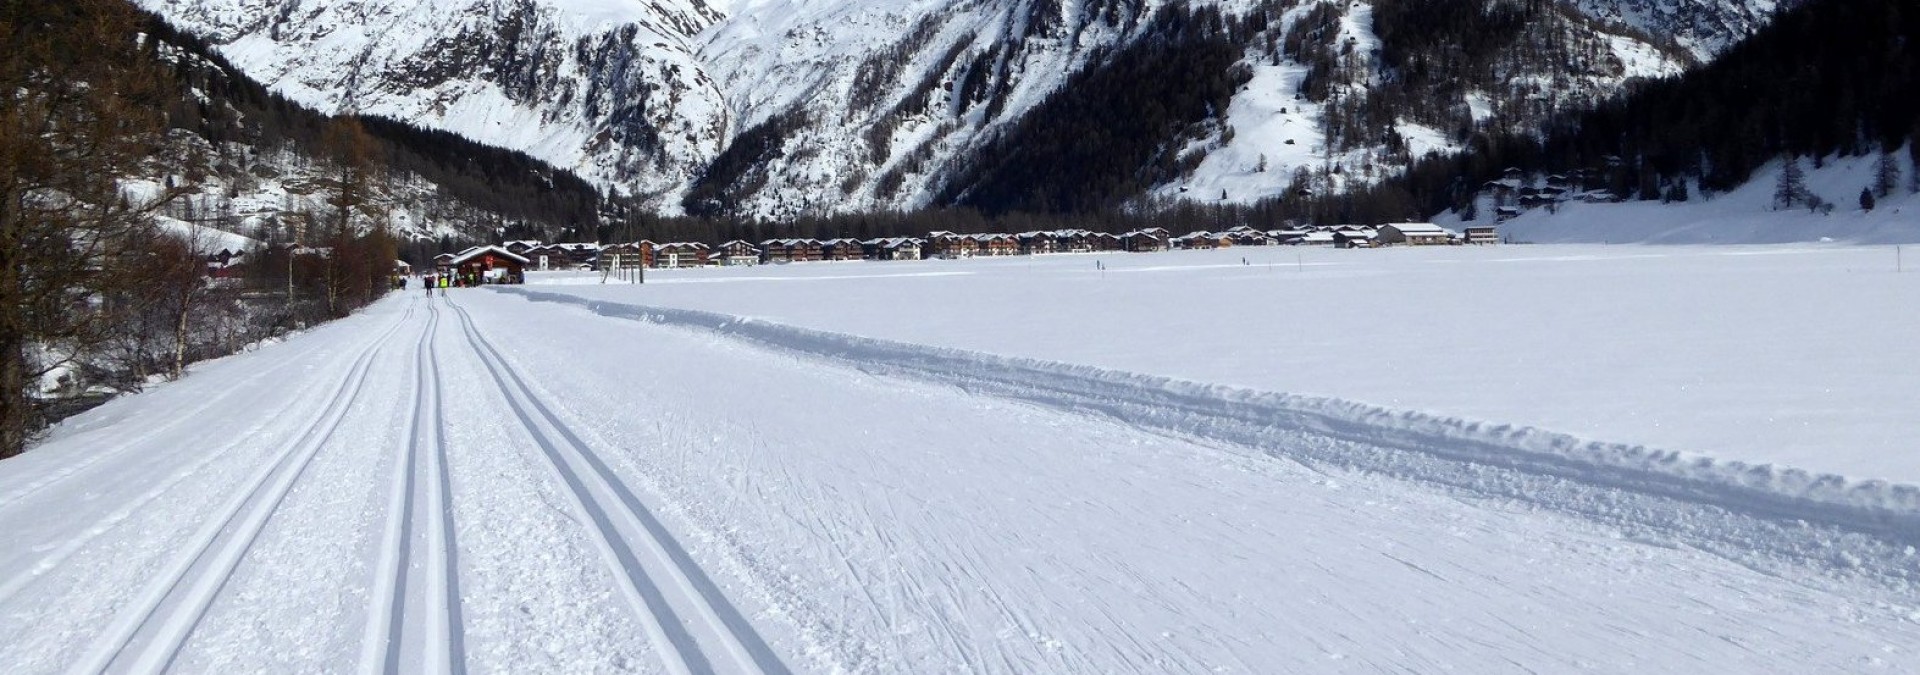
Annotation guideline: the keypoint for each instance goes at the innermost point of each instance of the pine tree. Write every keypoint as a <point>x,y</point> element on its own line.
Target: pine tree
<point>1886,175</point>
<point>1866,199</point>
<point>1791,187</point>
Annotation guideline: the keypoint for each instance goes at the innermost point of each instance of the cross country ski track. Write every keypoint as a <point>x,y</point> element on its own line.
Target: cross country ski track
<point>694,628</point>
<point>483,483</point>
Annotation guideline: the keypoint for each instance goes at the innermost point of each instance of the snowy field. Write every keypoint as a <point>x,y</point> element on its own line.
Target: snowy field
<point>1012,466</point>
<point>1800,356</point>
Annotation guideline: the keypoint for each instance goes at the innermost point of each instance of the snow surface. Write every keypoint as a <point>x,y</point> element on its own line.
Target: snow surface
<point>502,485</point>
<point>1798,356</point>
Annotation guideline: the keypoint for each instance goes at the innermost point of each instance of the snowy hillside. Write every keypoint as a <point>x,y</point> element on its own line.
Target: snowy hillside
<point>782,107</point>
<point>1746,215</point>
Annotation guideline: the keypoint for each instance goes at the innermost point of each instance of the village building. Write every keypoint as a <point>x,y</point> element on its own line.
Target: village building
<point>1037,243</point>
<point>1482,234</point>
<point>520,247</point>
<point>626,256</point>
<point>1145,241</point>
<point>948,245</point>
<point>842,249</point>
<point>735,253</point>
<point>893,248</point>
<point>485,265</point>
<point>1201,240</point>
<point>1414,234</point>
<point>996,245</point>
<point>682,254</point>
<point>1353,238</point>
<point>1106,241</point>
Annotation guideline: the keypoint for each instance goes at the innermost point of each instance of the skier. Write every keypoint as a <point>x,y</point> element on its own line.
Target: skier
<point>429,285</point>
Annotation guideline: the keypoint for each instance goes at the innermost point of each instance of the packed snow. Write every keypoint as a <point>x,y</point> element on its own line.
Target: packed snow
<point>580,477</point>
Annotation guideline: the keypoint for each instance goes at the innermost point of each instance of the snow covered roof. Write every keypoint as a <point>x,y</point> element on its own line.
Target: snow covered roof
<point>478,251</point>
<point>1417,228</point>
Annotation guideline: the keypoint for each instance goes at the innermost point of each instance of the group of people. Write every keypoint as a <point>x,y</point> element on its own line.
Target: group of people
<point>433,281</point>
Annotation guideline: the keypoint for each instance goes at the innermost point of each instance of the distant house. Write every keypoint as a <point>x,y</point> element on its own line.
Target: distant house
<point>1106,241</point>
<point>1353,239</point>
<point>842,249</point>
<point>486,265</point>
<point>997,245</point>
<point>521,246</point>
<point>1414,234</point>
<point>682,254</point>
<point>1145,241</point>
<point>735,253</point>
<point>893,248</point>
<point>791,250</point>
<point>950,245</point>
<point>1482,234</point>
<point>1196,241</point>
<point>626,256</point>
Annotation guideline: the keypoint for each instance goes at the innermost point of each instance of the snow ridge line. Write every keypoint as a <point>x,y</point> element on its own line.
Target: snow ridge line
<point>660,580</point>
<point>267,488</point>
<point>95,458</point>
<point>1693,497</point>
<point>384,649</point>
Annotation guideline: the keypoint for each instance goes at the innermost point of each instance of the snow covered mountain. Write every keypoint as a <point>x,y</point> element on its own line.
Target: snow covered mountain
<point>609,89</point>
<point>776,108</point>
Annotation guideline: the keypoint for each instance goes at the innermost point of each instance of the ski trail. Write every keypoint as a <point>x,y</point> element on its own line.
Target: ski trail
<point>166,627</point>
<point>112,520</point>
<point>386,648</point>
<point>693,627</point>
<point>215,402</point>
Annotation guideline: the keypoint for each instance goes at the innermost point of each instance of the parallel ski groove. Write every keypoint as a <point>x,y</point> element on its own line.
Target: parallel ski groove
<point>385,649</point>
<point>627,532</point>
<point>264,493</point>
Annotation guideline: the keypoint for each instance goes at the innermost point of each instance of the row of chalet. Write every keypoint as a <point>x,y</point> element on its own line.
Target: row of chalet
<point>948,245</point>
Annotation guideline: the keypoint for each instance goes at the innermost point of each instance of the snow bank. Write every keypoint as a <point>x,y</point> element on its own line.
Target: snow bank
<point>1613,482</point>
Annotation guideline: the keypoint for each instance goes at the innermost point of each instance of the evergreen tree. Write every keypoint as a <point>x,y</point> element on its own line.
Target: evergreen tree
<point>1886,175</point>
<point>1866,199</point>
<point>1791,188</point>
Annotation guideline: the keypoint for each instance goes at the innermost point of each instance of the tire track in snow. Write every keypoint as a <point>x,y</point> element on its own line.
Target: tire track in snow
<point>694,628</point>
<point>434,595</point>
<point>210,403</point>
<point>162,617</point>
<point>114,518</point>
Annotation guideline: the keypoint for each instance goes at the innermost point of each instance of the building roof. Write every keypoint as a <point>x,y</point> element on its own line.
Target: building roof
<point>477,251</point>
<point>1417,228</point>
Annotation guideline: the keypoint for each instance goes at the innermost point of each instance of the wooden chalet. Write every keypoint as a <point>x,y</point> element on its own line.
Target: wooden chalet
<point>843,249</point>
<point>949,245</point>
<point>1414,234</point>
<point>1038,243</point>
<point>893,248</point>
<point>626,256</point>
<point>1353,238</point>
<point>1196,241</point>
<point>1149,240</point>
<point>485,265</point>
<point>735,253</point>
<point>1106,241</point>
<point>996,245</point>
<point>520,247</point>
<point>682,254</point>
<point>791,250</point>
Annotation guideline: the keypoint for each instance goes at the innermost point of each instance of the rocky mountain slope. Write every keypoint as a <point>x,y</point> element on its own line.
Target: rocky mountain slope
<point>777,108</point>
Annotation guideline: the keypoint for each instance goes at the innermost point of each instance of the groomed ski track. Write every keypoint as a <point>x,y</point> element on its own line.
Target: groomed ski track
<point>484,483</point>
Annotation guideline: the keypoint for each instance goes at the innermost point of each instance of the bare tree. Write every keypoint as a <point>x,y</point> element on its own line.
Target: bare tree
<point>78,114</point>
